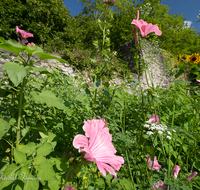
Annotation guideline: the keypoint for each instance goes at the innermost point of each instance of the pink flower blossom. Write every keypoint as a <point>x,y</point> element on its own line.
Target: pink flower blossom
<point>68,188</point>
<point>23,33</point>
<point>146,28</point>
<point>191,176</point>
<point>156,166</point>
<point>153,119</point>
<point>198,80</point>
<point>99,147</point>
<point>176,171</point>
<point>159,185</point>
<point>30,44</point>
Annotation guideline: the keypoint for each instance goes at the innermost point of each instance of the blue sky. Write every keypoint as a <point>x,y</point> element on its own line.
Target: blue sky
<point>190,9</point>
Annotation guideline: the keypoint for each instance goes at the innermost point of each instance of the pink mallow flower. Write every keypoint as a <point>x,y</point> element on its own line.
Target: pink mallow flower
<point>153,119</point>
<point>99,147</point>
<point>159,185</point>
<point>176,171</point>
<point>191,176</point>
<point>198,80</point>
<point>30,44</point>
<point>146,28</point>
<point>23,33</point>
<point>153,165</point>
<point>68,188</point>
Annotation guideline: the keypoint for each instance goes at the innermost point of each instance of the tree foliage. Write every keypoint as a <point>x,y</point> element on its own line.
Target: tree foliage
<point>48,20</point>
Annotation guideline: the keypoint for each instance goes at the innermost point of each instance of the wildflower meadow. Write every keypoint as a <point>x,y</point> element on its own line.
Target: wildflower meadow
<point>57,132</point>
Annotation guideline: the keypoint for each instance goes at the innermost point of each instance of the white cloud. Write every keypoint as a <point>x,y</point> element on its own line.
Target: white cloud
<point>187,23</point>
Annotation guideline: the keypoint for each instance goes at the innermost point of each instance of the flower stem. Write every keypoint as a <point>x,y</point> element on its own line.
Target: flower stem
<point>19,113</point>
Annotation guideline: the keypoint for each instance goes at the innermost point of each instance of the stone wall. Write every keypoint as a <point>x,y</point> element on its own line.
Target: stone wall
<point>153,58</point>
<point>155,65</point>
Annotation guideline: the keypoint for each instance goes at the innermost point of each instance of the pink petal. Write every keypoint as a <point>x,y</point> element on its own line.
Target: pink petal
<point>151,28</point>
<point>99,148</point>
<point>156,166</point>
<point>68,188</point>
<point>30,44</point>
<point>137,15</point>
<point>80,141</point>
<point>176,171</point>
<point>198,80</point>
<point>191,176</point>
<point>153,119</point>
<point>24,41</point>
<point>102,167</point>
<point>17,29</point>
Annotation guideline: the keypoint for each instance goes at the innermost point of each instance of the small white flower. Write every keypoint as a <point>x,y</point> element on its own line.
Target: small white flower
<point>168,137</point>
<point>148,122</point>
<point>173,130</point>
<point>160,132</point>
<point>147,126</point>
<point>149,133</point>
<point>168,133</point>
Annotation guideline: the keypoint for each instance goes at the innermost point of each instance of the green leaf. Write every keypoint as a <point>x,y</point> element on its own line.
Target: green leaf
<point>100,183</point>
<point>10,170</point>
<point>19,156</point>
<point>12,48</point>
<point>39,160</point>
<point>108,178</point>
<point>45,149</point>
<point>197,165</point>
<point>33,49</point>
<point>54,184</point>
<point>49,98</point>
<point>44,56</point>
<point>28,148</point>
<point>46,172</point>
<point>5,126</point>
<point>15,72</point>
<point>30,182</point>
<point>97,82</point>
<point>180,72</point>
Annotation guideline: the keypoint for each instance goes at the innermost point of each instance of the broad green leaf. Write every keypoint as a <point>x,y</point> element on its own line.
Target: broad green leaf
<point>41,70</point>
<point>5,126</point>
<point>100,183</point>
<point>33,49</point>
<point>54,184</point>
<point>28,148</point>
<point>46,172</point>
<point>45,149</point>
<point>10,170</point>
<point>108,179</point>
<point>4,92</point>
<point>197,165</point>
<point>97,82</point>
<point>44,56</point>
<point>39,160</point>
<point>30,182</point>
<point>19,156</point>
<point>15,72</point>
<point>127,184</point>
<point>11,48</point>
<point>49,98</point>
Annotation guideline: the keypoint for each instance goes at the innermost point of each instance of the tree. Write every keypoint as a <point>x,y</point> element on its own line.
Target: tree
<point>47,19</point>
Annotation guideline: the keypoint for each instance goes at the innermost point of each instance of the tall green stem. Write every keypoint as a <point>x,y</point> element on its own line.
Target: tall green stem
<point>19,113</point>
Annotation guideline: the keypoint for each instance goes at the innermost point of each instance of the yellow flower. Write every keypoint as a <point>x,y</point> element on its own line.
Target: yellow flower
<point>184,57</point>
<point>194,58</point>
